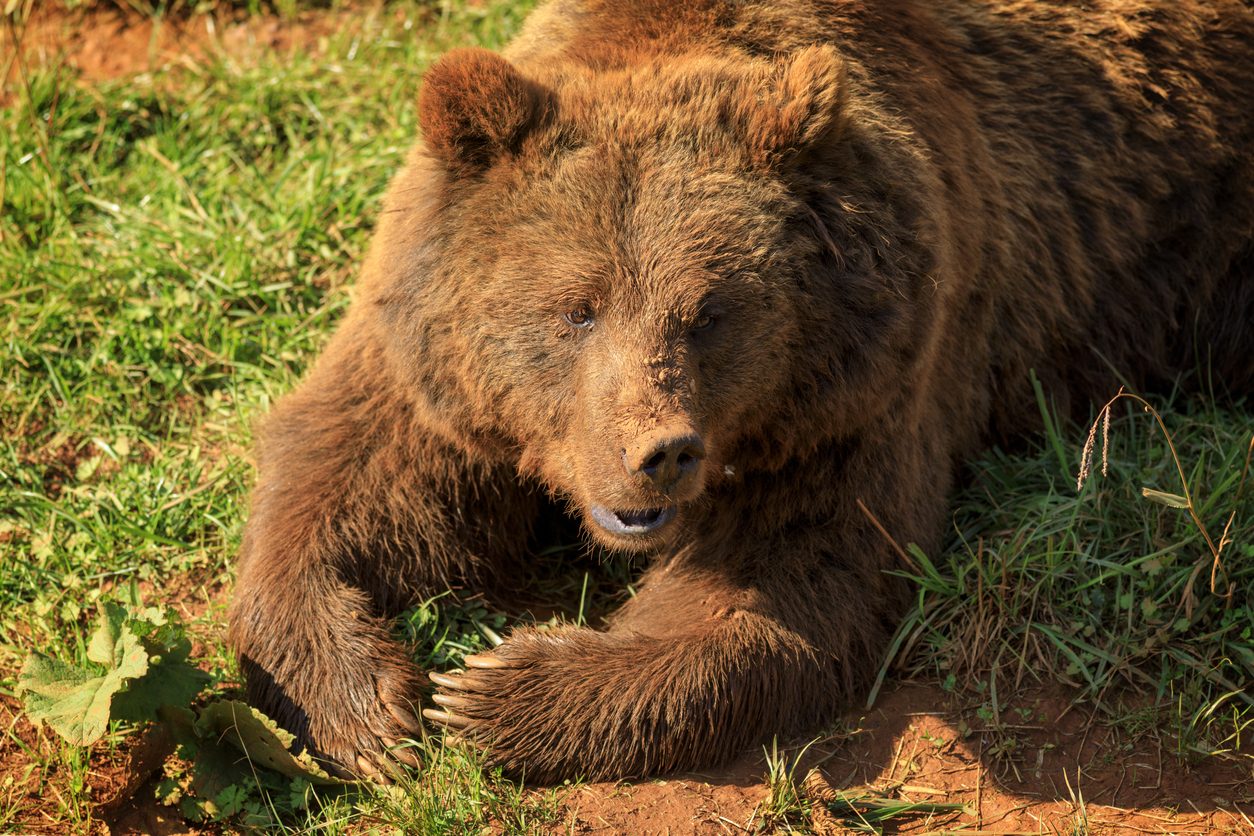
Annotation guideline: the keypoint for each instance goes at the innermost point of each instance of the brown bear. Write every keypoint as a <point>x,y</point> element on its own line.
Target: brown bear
<point>715,274</point>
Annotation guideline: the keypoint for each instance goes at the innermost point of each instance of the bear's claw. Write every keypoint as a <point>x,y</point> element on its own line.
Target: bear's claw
<point>451,701</point>
<point>376,769</point>
<point>446,681</point>
<point>452,721</point>
<point>401,752</point>
<point>406,719</point>
<point>486,662</point>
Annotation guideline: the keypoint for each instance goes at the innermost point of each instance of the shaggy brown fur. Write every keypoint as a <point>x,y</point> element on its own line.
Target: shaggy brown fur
<point>712,272</point>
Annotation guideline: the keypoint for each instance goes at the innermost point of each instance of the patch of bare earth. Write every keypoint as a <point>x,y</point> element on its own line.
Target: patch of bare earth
<point>101,40</point>
<point>1047,766</point>
<point>730,800</point>
<point>1036,769</point>
<point>44,792</point>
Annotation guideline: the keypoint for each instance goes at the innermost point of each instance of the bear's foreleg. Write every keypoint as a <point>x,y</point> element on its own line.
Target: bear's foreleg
<point>360,511</point>
<point>690,675</point>
<point>768,616</point>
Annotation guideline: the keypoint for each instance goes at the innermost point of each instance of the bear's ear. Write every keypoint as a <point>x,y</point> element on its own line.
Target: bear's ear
<point>474,105</point>
<point>804,107</point>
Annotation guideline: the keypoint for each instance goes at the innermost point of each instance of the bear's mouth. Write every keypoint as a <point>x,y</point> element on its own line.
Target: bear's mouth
<point>632,523</point>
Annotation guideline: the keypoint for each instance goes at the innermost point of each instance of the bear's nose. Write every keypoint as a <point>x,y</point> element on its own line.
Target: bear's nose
<point>666,457</point>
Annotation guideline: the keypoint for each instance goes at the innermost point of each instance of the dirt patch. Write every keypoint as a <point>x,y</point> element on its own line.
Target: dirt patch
<point>1058,767</point>
<point>142,815</point>
<point>679,804</point>
<point>110,792</point>
<point>51,789</point>
<point>1046,763</point>
<point>101,40</point>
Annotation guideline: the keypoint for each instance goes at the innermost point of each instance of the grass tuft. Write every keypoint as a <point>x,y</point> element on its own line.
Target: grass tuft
<point>1118,584</point>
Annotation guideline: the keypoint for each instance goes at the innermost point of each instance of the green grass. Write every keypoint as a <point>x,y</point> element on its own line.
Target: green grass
<point>174,250</point>
<point>1109,585</point>
<point>173,253</point>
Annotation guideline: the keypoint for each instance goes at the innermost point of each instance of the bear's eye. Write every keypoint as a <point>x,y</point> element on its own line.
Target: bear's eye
<point>703,322</point>
<point>580,319</point>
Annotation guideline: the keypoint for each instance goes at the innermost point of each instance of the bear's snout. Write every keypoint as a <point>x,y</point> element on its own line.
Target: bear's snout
<point>666,459</point>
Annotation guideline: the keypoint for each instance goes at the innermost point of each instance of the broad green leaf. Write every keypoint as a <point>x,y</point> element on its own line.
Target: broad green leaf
<point>215,765</point>
<point>172,681</point>
<point>113,645</point>
<point>181,722</point>
<point>106,646</point>
<point>72,701</point>
<point>1174,500</point>
<point>66,697</point>
<point>75,703</point>
<point>260,739</point>
<point>231,743</point>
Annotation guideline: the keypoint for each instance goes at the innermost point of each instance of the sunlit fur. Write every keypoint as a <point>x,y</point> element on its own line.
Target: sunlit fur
<point>892,211</point>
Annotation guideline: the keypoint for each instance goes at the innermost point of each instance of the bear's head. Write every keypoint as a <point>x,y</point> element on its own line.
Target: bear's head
<point>624,286</point>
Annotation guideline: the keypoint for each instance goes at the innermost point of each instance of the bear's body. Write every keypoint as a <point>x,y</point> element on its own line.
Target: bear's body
<point>713,273</point>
